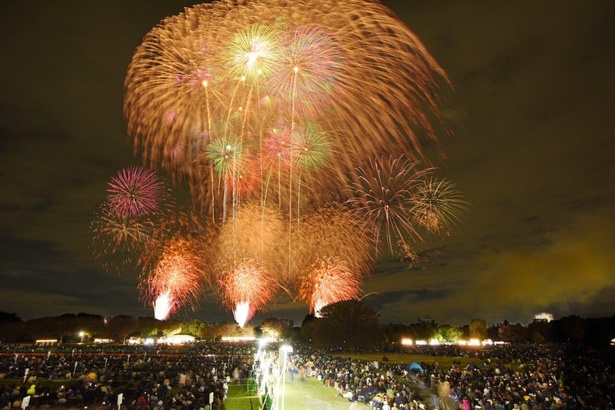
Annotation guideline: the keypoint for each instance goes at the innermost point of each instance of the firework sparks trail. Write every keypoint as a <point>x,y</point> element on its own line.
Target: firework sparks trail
<point>117,238</point>
<point>246,288</point>
<point>329,281</point>
<point>385,196</point>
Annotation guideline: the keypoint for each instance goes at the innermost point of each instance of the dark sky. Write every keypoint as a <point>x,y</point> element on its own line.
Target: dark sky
<point>533,151</point>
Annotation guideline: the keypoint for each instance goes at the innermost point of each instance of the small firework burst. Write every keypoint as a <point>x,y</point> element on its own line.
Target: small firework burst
<point>246,288</point>
<point>277,148</point>
<point>329,281</point>
<point>384,198</point>
<point>310,65</point>
<point>253,52</point>
<point>136,191</point>
<point>438,205</point>
<point>225,155</point>
<point>310,148</point>
<point>116,238</point>
<point>177,279</point>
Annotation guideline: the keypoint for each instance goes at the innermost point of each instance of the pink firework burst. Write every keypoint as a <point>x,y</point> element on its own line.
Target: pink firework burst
<point>309,69</point>
<point>135,191</point>
<point>278,147</point>
<point>329,281</point>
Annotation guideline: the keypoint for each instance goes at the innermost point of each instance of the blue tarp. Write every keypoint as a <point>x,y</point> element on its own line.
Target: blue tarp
<point>414,366</point>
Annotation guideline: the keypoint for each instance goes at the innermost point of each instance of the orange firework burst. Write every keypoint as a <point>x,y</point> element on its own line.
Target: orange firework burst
<point>177,278</point>
<point>329,281</point>
<point>331,232</point>
<point>176,263</point>
<point>256,233</point>
<point>246,288</point>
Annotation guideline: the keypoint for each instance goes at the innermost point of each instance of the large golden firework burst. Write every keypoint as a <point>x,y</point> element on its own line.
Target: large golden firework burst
<point>266,109</point>
<point>230,73</point>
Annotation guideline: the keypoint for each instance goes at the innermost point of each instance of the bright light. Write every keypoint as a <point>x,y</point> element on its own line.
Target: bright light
<point>406,341</point>
<point>544,316</point>
<point>241,313</point>
<point>176,339</point>
<point>163,306</point>
<point>421,342</point>
<point>474,342</point>
<point>487,342</point>
<point>319,304</point>
<point>434,342</point>
<point>262,342</point>
<point>282,367</point>
<point>237,338</point>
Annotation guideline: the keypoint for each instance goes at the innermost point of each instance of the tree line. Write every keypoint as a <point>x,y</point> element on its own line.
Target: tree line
<point>348,325</point>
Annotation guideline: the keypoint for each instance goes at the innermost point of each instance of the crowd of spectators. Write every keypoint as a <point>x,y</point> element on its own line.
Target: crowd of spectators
<point>541,376</point>
<point>527,376</point>
<point>195,377</point>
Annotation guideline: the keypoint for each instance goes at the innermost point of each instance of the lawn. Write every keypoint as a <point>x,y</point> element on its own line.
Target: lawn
<point>309,394</point>
<point>445,361</point>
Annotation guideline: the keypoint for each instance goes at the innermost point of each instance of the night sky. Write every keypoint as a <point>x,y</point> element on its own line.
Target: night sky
<point>533,150</point>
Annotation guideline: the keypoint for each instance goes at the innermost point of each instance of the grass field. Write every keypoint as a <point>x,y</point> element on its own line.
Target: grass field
<point>445,361</point>
<point>309,394</point>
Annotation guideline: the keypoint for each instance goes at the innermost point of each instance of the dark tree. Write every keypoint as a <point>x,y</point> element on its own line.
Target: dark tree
<point>570,329</point>
<point>307,328</point>
<point>278,328</point>
<point>425,329</point>
<point>512,333</point>
<point>478,329</point>
<point>541,330</point>
<point>119,328</point>
<point>6,317</point>
<point>349,325</point>
<point>599,332</point>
